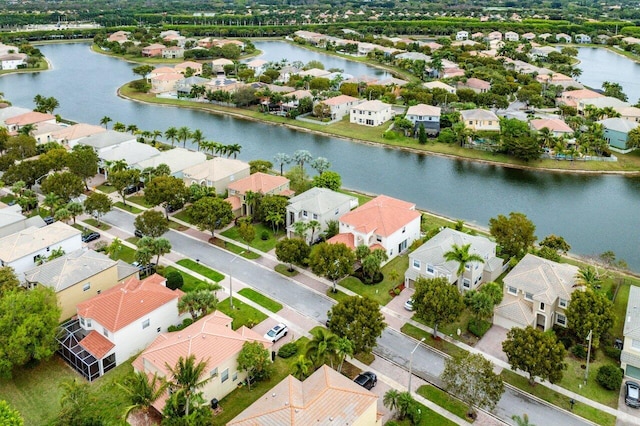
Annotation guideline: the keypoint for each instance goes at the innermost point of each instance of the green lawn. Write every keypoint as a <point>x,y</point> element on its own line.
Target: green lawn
<point>101,225</point>
<point>338,296</point>
<point>362,199</point>
<point>260,299</point>
<point>127,254</point>
<point>139,200</point>
<point>451,330</point>
<point>190,283</point>
<point>429,418</point>
<point>183,216</point>
<point>257,242</point>
<point>241,313</point>
<point>557,399</point>
<point>241,251</point>
<point>7,198</point>
<point>446,401</point>
<point>128,207</point>
<point>442,345</point>
<point>284,270</point>
<point>177,226</point>
<point>133,240</point>
<point>573,380</point>
<point>380,292</point>
<point>107,189</point>
<point>201,269</point>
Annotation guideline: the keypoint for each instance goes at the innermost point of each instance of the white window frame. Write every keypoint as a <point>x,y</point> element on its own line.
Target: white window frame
<point>514,292</point>
<point>431,270</point>
<point>225,375</point>
<point>416,263</point>
<point>558,316</point>
<point>563,303</point>
<point>105,332</point>
<point>541,306</point>
<point>466,283</point>
<point>86,287</point>
<point>528,296</point>
<point>214,372</point>
<point>146,323</point>
<point>635,344</point>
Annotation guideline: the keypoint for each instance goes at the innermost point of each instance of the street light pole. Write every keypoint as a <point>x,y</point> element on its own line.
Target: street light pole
<point>231,282</point>
<point>411,362</point>
<point>586,374</point>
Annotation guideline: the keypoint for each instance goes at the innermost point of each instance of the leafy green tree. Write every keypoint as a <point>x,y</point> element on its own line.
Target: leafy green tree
<point>51,201</point>
<point>198,303</point>
<point>166,191</point>
<point>470,377</point>
<point>122,179</point>
<point>65,185</point>
<point>152,223</point>
<point>358,319</point>
<point>157,246</point>
<point>344,349</point>
<point>331,261</point>
<point>372,263</point>
<point>21,147</point>
<point>589,311</point>
<point>463,256</point>
<point>422,135</point>
<point>62,214</point>
<point>83,161</point>
<point>97,204</point>
<point>187,380</point>
<point>614,90</point>
<point>479,303</point>
<point>262,166</point>
<point>535,352</point>
<point>329,179</point>
<point>493,290</point>
<point>75,209</point>
<point>556,243</point>
<point>255,359</point>
<point>143,255</point>
<point>302,367</point>
<point>210,213</point>
<point>77,405</point>
<point>247,231</point>
<point>292,251</point>
<point>142,391</point>
<point>514,234</point>
<point>115,248</point>
<point>10,416</point>
<point>322,346</point>
<point>28,327</point>
<point>8,280</point>
<point>272,209</point>
<point>633,138</point>
<point>437,302</point>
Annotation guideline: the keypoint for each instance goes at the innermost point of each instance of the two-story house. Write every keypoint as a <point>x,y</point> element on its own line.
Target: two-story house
<point>428,260</point>
<point>340,105</point>
<point>153,50</point>
<point>630,356</point>
<point>15,123</point>
<point>536,293</point>
<point>424,115</point>
<point>319,204</point>
<point>480,120</point>
<point>616,131</point>
<point>216,173</point>
<point>475,84</point>
<point>12,220</point>
<point>211,340</point>
<point>511,36</point>
<point>178,159</point>
<point>462,35</point>
<point>371,113</point>
<point>257,183</point>
<point>557,126</point>
<point>382,223</point>
<point>258,66</point>
<point>116,324</point>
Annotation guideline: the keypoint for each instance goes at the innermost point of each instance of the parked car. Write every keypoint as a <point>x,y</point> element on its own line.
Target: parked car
<point>147,269</point>
<point>12,202</point>
<point>91,236</point>
<point>408,305</point>
<point>138,233</point>
<point>366,379</point>
<point>632,394</point>
<point>48,220</point>
<point>276,333</point>
<point>131,189</point>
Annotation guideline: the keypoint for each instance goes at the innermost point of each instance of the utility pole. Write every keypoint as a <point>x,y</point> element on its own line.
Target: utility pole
<point>586,374</point>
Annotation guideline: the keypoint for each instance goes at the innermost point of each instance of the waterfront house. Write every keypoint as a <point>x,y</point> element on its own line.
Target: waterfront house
<point>9,112</point>
<point>630,113</point>
<point>326,397</point>
<point>319,204</point>
<point>103,141</point>
<point>558,79</point>
<point>537,292</point>
<point>212,341</point>
<point>70,135</point>
<point>223,83</point>
<point>15,123</point>
<point>131,153</point>
<point>480,120</point>
<point>573,97</point>
<point>295,98</point>
<point>424,115</point>
<point>340,105</point>
<point>511,36</point>
<point>382,223</point>
<point>43,132</point>
<point>428,260</point>
<point>184,86</point>
<point>257,183</point>
<point>371,113</point>
<point>582,38</point>
<point>600,103</point>
<point>164,83</point>
<point>153,50</point>
<point>216,173</point>
<point>557,126</point>
<point>258,66</point>
<point>160,71</point>
<point>563,38</point>
<point>475,84</point>
<point>173,52</point>
<point>195,67</point>
<point>439,85</point>
<point>616,131</point>
<point>178,159</point>
<point>541,52</point>
<point>630,356</point>
<point>119,37</point>
<point>13,61</point>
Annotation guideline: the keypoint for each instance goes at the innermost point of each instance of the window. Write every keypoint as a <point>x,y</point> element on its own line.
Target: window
<point>337,212</point>
<point>225,375</point>
<point>404,229</point>
<point>430,269</point>
<point>466,283</point>
<point>416,263</point>
<point>86,287</point>
<point>145,323</point>
<point>467,266</point>
<point>159,329</point>
<point>635,344</point>
<point>528,296</point>
<point>378,238</point>
<point>214,372</point>
<point>82,321</point>
<point>315,216</point>
<point>542,306</point>
<point>304,213</point>
<point>235,376</point>
<point>105,332</point>
<point>563,303</point>
<point>88,322</point>
<point>512,290</point>
<point>98,291</point>
<point>561,319</point>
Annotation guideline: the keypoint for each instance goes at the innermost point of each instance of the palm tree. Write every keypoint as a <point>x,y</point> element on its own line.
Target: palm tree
<point>156,135</point>
<point>184,134</point>
<point>461,255</point>
<point>301,157</point>
<point>132,128</point>
<point>197,138</point>
<point>62,214</point>
<point>186,378</point>
<point>522,421</point>
<point>301,367</point>
<point>51,201</point>
<point>75,209</point>
<point>234,149</point>
<point>344,349</point>
<point>27,129</point>
<point>142,392</point>
<point>119,127</point>
<point>323,345</point>
<point>390,399</point>
<point>118,166</point>
<point>172,134</point>
<point>114,249</point>
<point>250,199</point>
<point>105,121</point>
<point>281,158</point>
<point>588,277</point>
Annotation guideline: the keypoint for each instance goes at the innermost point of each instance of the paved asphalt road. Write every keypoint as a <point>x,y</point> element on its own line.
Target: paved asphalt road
<point>393,345</point>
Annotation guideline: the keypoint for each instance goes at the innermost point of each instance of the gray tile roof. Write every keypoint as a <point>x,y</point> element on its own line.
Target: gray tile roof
<point>545,279</point>
<point>618,124</point>
<point>632,317</point>
<point>516,309</point>
<point>125,270</point>
<point>319,200</point>
<point>108,138</point>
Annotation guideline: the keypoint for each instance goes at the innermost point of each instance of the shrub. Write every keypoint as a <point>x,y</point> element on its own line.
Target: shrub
<point>478,327</point>
<point>187,322</point>
<point>264,236</point>
<point>288,350</point>
<point>172,328</point>
<point>609,377</point>
<point>611,351</point>
<point>174,280</point>
<point>579,352</point>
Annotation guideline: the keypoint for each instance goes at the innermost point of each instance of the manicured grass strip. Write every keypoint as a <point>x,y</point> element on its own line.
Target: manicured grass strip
<point>201,269</point>
<point>107,189</point>
<point>128,207</point>
<point>139,200</point>
<point>429,418</point>
<point>241,251</point>
<point>339,296</point>
<point>241,313</point>
<point>257,242</point>
<point>183,216</point>
<point>553,397</point>
<point>380,291</point>
<point>133,240</point>
<point>177,226</point>
<point>362,199</point>
<point>260,299</point>
<point>441,345</point>
<point>190,283</point>
<point>7,198</point>
<point>444,400</point>
<point>127,254</point>
<point>284,270</point>
<point>100,225</point>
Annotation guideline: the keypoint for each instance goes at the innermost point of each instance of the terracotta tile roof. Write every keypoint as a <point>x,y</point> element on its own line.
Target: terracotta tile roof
<point>258,182</point>
<point>581,94</point>
<point>476,83</point>
<point>77,131</point>
<point>29,118</point>
<point>346,239</point>
<point>423,109</point>
<point>553,124</point>
<point>235,202</point>
<point>96,344</point>
<point>126,302</point>
<point>383,214</point>
<point>339,100</point>
<point>189,64</point>
<point>326,397</point>
<point>163,70</point>
<point>168,77</point>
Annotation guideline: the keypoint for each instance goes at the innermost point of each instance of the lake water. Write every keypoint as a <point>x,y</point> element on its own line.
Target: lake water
<point>599,65</point>
<point>593,213</point>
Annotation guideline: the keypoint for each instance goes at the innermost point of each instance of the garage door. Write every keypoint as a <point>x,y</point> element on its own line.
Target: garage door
<point>633,372</point>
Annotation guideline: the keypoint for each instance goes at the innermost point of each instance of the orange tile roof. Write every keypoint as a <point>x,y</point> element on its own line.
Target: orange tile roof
<point>581,94</point>
<point>258,182</point>
<point>235,202</point>
<point>383,214</point>
<point>29,118</point>
<point>346,239</point>
<point>553,124</point>
<point>339,100</point>
<point>96,344</point>
<point>126,302</point>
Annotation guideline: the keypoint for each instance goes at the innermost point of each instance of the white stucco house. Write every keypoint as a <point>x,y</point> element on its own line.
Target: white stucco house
<point>340,105</point>
<point>424,115</point>
<point>371,113</point>
<point>462,35</point>
<point>630,356</point>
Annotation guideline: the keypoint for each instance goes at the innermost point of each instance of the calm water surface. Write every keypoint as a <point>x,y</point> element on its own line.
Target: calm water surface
<point>599,65</point>
<point>593,213</point>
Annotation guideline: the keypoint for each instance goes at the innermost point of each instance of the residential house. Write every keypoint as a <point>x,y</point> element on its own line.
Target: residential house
<point>184,86</point>
<point>563,38</point>
<point>630,356</point>
<point>14,124</point>
<point>103,141</point>
<point>295,98</point>
<point>439,85</point>
<point>12,220</point>
<point>216,173</point>
<point>173,52</point>
<point>43,132</point>
<point>630,113</point>
<point>160,71</point>
<point>221,43</point>
<point>319,204</point>
<point>478,36</point>
<point>582,38</point>
<point>573,97</point>
<point>340,105</point>
<point>70,135</point>
<point>602,38</point>
<point>131,153</point>
<point>557,126</point>
<point>78,276</point>
<point>314,73</point>
<point>119,36</point>
<point>511,36</point>
<point>371,113</point>
<point>326,397</point>
<point>257,183</point>
<point>494,35</point>
<point>545,36</point>
<point>217,65</point>
<point>616,131</point>
<point>258,66</point>
<point>195,67</point>
<point>27,248</point>
<point>384,222</point>
<point>424,115</point>
<point>211,340</point>
<point>13,61</point>
<point>541,52</point>
<point>178,159</point>
<point>223,83</point>
<point>475,84</point>
<point>528,36</point>
<point>118,323</point>
<point>600,103</point>
<point>286,73</point>
<point>428,260</point>
<point>537,292</point>
<point>414,56</point>
<point>164,83</point>
<point>480,120</point>
<point>558,79</point>
<point>9,112</point>
<point>153,50</point>
<point>631,40</point>
<point>462,35</point>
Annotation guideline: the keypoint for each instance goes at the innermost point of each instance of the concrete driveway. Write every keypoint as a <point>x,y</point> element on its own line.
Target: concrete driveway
<point>625,408</point>
<point>491,342</point>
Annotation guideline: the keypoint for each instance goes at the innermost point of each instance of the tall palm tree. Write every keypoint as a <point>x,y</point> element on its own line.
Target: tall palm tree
<point>281,158</point>
<point>322,346</point>
<point>172,134</point>
<point>302,367</point>
<point>461,255</point>
<point>234,149</point>
<point>51,201</point>
<point>390,399</point>
<point>197,138</point>
<point>132,128</point>
<point>27,129</point>
<point>75,209</point>
<point>118,166</point>
<point>344,349</point>
<point>156,135</point>
<point>186,378</point>
<point>119,127</point>
<point>184,134</point>
<point>142,392</point>
<point>105,121</point>
<point>588,277</point>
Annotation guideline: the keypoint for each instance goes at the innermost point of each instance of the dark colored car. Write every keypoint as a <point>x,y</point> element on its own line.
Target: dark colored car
<point>131,189</point>
<point>366,379</point>
<point>138,233</point>
<point>147,269</point>
<point>92,236</point>
<point>48,220</point>
<point>632,394</point>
